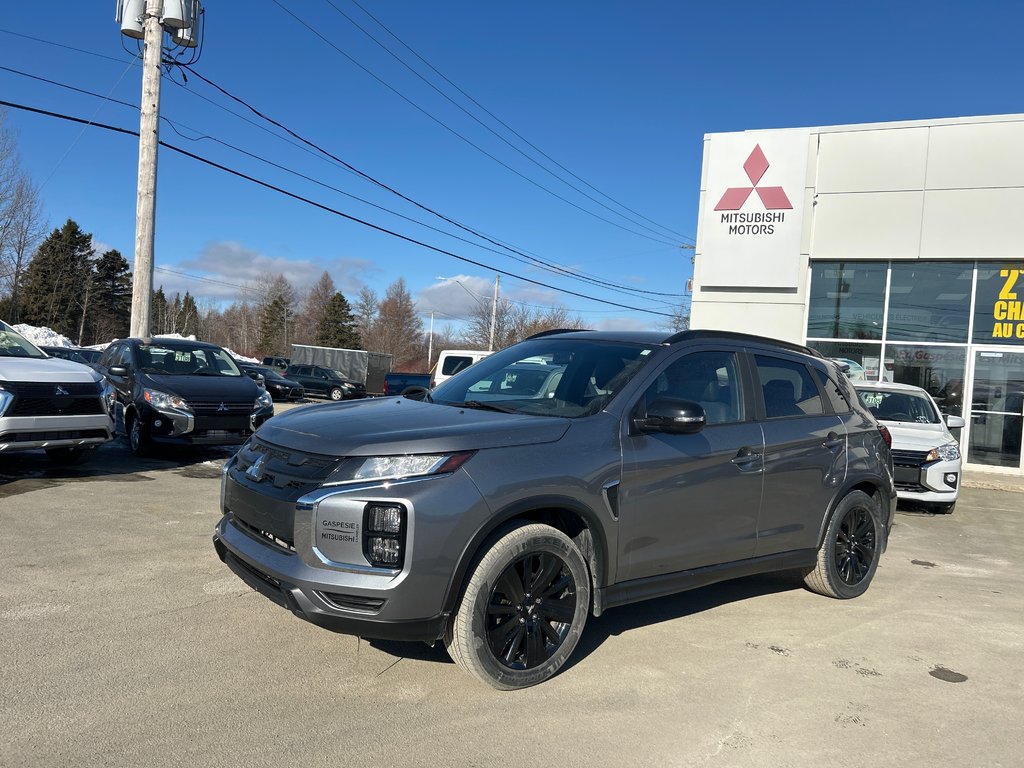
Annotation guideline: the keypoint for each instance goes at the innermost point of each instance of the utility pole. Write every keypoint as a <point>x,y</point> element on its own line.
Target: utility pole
<point>494,312</point>
<point>147,20</point>
<point>149,139</point>
<point>430,343</point>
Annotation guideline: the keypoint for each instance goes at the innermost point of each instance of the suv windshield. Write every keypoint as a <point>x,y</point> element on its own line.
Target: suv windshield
<point>13,344</point>
<point>186,361</point>
<point>550,376</point>
<point>911,407</point>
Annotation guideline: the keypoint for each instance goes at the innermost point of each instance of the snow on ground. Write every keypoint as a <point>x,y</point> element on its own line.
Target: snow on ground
<point>46,337</point>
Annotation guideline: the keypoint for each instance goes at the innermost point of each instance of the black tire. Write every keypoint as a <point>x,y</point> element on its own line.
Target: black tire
<point>943,508</point>
<point>848,555</point>
<point>503,632</point>
<point>337,393</point>
<point>68,456</point>
<point>138,437</point>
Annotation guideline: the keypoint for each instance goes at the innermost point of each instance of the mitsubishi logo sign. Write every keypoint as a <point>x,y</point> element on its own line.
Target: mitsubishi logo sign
<point>59,391</point>
<point>753,203</point>
<point>255,472</point>
<point>773,198</point>
<point>222,408</point>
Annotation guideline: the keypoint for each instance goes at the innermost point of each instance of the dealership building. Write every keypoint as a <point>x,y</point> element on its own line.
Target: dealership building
<point>896,247</point>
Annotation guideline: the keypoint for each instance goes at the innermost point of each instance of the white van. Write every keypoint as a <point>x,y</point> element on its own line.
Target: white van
<point>451,361</point>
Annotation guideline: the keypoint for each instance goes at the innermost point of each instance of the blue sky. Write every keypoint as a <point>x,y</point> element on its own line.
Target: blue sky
<point>619,93</point>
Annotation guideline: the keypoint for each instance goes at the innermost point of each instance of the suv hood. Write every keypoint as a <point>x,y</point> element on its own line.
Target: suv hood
<point>916,437</point>
<point>45,370</point>
<point>204,387</point>
<point>395,425</point>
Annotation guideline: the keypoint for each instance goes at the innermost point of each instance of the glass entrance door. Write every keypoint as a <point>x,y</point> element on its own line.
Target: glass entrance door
<point>997,408</point>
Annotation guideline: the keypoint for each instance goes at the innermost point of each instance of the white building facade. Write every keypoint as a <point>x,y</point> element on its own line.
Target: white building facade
<point>897,247</point>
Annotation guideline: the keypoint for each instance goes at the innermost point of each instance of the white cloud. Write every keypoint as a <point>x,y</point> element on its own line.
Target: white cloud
<point>458,296</point>
<point>627,324</point>
<point>223,269</point>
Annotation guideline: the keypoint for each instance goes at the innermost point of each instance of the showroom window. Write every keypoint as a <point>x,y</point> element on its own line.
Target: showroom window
<point>863,359</point>
<point>929,301</point>
<point>847,300</point>
<point>937,369</point>
<point>999,304</point>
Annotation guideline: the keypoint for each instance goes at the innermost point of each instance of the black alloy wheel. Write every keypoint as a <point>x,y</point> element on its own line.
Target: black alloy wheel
<point>530,610</point>
<point>847,557</point>
<point>855,545</point>
<point>523,608</point>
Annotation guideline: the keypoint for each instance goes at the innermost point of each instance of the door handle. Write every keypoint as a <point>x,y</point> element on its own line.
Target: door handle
<point>746,455</point>
<point>833,442</point>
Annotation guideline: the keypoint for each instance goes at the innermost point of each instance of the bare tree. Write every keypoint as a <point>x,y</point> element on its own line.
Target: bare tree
<point>313,306</point>
<point>513,323</point>
<point>21,230</point>
<point>680,320</point>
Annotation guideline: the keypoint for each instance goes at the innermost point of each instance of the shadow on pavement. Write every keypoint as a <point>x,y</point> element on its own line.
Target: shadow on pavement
<point>26,471</point>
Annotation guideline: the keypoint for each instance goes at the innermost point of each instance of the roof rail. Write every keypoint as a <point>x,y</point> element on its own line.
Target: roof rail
<point>553,331</point>
<point>735,335</point>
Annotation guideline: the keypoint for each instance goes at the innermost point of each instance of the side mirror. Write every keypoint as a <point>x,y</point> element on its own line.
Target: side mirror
<point>954,422</point>
<point>681,417</point>
<point>117,370</point>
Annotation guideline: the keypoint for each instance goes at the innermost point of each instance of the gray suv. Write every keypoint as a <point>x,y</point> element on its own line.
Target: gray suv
<point>498,519</point>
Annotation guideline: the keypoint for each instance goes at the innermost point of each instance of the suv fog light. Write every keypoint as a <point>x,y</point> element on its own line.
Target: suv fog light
<point>384,534</point>
<point>384,519</point>
<point>158,423</point>
<point>950,479</point>
<point>385,551</point>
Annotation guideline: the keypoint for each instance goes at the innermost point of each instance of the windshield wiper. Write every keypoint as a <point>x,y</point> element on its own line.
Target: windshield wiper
<point>483,406</point>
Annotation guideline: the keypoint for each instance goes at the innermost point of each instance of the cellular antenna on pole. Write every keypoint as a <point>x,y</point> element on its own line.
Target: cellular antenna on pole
<point>147,21</point>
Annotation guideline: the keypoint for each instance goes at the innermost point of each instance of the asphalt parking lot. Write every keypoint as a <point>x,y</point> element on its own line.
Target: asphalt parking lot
<point>125,641</point>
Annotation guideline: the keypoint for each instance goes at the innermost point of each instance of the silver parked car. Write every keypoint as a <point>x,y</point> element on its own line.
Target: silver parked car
<point>566,475</point>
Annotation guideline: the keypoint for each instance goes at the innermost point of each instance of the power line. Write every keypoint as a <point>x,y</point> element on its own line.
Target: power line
<point>176,125</point>
<point>461,136</point>
<point>551,267</point>
<point>329,209</point>
<point>477,233</point>
<point>490,130</point>
<point>510,128</point>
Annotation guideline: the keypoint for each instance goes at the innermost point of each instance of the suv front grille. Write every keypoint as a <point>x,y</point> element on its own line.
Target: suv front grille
<point>222,408</point>
<point>44,400</point>
<point>264,536</point>
<point>291,473</point>
<point>909,458</point>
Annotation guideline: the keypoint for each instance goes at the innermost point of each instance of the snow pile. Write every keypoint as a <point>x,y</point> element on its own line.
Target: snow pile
<point>46,337</point>
<point>43,337</point>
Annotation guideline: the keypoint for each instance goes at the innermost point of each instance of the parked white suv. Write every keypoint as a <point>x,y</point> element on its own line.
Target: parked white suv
<point>925,456</point>
<point>47,403</point>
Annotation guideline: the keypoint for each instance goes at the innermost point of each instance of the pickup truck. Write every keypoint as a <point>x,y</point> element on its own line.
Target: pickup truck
<point>397,383</point>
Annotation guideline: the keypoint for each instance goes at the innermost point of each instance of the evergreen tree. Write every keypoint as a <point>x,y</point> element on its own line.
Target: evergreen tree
<point>111,302</point>
<point>337,326</point>
<point>158,312</point>
<point>57,284</point>
<point>188,317</point>
<point>271,334</point>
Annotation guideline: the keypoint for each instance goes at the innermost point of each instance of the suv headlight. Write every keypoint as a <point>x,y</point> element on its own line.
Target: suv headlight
<point>5,400</point>
<point>263,399</point>
<point>164,401</point>
<point>945,452</point>
<point>361,470</point>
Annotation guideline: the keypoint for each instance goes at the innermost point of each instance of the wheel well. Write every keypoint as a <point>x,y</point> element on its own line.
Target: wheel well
<point>572,523</point>
<point>865,486</point>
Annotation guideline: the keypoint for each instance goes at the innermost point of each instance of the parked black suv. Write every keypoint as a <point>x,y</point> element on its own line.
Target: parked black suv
<point>180,392</point>
<point>277,385</point>
<point>497,515</point>
<point>318,380</point>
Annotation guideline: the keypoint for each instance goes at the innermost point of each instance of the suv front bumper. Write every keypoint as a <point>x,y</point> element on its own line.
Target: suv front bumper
<point>27,433</point>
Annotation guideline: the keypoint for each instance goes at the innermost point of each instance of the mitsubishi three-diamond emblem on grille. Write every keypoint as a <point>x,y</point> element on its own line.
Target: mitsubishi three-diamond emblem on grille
<point>60,391</point>
<point>221,408</point>
<point>255,471</point>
